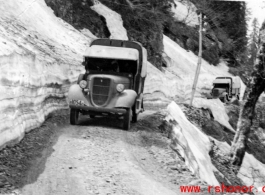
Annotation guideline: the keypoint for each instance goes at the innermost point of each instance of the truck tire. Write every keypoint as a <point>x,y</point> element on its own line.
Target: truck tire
<point>74,115</point>
<point>226,99</point>
<point>127,119</point>
<point>134,114</point>
<point>134,117</point>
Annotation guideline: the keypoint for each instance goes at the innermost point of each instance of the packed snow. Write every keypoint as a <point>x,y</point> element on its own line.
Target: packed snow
<point>88,34</point>
<point>113,20</point>
<point>217,108</point>
<point>192,144</point>
<point>40,56</point>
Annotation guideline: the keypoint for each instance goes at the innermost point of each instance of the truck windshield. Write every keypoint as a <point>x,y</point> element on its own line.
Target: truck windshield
<point>221,86</point>
<point>114,65</point>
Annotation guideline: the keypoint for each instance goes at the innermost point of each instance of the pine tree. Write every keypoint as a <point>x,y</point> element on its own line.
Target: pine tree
<point>254,38</point>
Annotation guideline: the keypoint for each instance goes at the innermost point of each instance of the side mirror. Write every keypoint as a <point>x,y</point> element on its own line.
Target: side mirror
<point>84,63</point>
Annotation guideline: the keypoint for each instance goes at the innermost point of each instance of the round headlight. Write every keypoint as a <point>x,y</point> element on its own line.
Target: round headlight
<point>83,84</point>
<point>120,88</point>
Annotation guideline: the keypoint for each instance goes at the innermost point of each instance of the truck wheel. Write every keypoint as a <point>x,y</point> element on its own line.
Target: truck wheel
<point>127,119</point>
<point>227,98</point>
<point>134,117</point>
<point>224,99</point>
<point>74,115</point>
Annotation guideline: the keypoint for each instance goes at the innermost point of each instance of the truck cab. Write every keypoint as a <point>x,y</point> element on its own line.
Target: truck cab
<point>225,88</point>
<point>113,82</point>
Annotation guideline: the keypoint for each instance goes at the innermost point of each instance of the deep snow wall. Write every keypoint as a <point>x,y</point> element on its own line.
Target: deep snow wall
<point>40,56</point>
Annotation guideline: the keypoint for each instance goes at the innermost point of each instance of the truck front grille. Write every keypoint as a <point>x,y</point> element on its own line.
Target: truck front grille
<point>100,91</point>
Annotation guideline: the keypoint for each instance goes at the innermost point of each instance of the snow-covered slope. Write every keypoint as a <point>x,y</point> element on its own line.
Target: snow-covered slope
<point>191,144</point>
<point>217,108</point>
<point>40,56</point>
<point>177,79</point>
<point>113,20</point>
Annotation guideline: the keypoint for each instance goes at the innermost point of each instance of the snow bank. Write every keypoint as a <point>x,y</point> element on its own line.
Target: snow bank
<point>160,85</point>
<point>185,12</point>
<point>191,144</point>
<point>217,108</point>
<point>88,34</point>
<point>40,56</point>
<point>194,146</point>
<point>252,172</point>
<point>113,20</point>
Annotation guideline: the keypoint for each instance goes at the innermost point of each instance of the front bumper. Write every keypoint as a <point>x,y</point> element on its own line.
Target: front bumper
<point>99,109</point>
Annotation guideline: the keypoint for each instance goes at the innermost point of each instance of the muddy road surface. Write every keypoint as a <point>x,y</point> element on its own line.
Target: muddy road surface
<point>98,157</point>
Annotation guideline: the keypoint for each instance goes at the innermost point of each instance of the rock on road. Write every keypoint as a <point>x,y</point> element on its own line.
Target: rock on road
<point>95,158</point>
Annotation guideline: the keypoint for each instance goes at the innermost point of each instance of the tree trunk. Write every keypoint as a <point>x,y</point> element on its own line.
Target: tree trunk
<point>256,87</point>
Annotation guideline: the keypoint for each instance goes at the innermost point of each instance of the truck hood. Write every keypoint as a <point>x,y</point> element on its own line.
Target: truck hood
<point>108,52</point>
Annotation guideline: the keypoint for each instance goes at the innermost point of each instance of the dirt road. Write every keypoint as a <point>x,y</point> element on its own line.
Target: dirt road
<point>97,157</point>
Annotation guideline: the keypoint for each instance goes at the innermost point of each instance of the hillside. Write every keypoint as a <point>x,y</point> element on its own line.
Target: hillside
<point>146,21</point>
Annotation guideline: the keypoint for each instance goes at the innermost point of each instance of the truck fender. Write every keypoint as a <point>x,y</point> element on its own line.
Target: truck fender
<point>126,99</point>
<point>76,93</point>
<point>224,94</point>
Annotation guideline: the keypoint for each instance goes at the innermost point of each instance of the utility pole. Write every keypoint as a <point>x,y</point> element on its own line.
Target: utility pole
<point>199,59</point>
